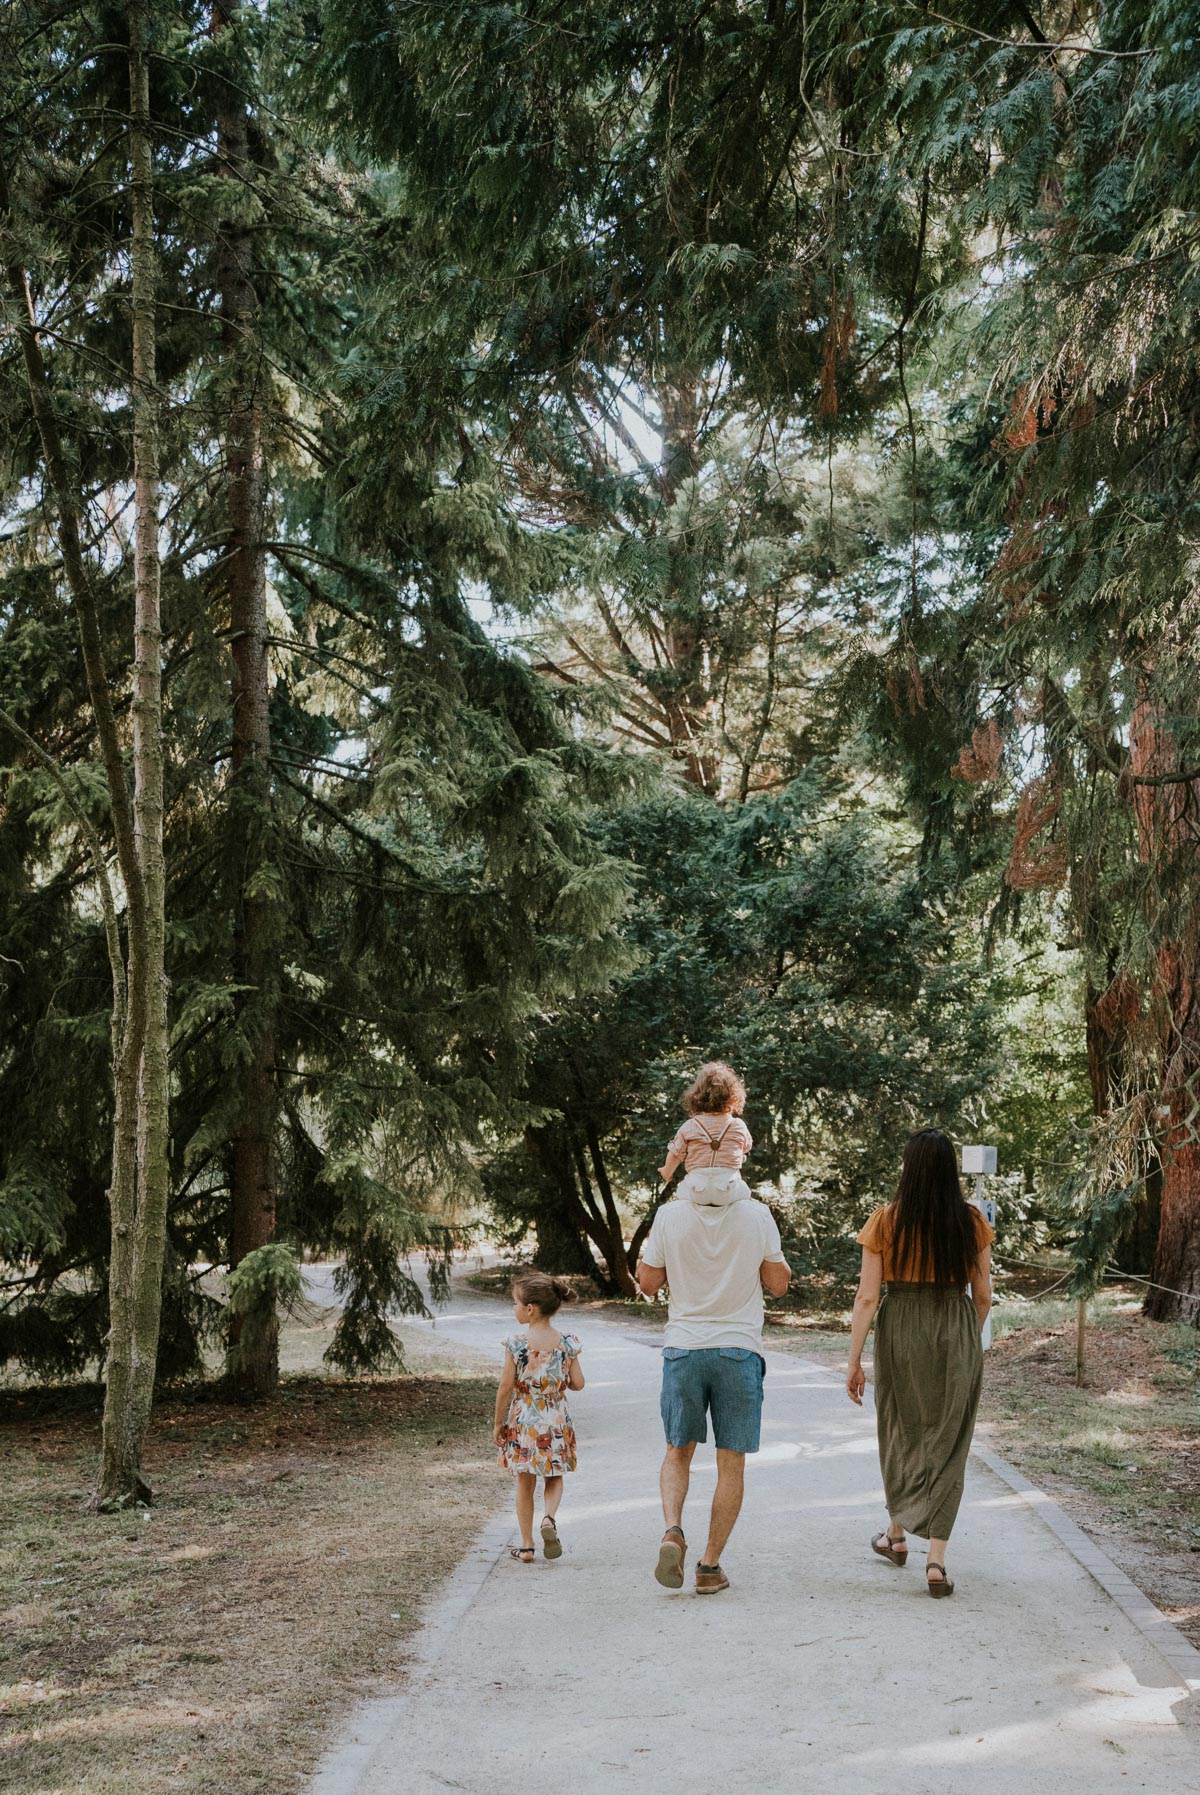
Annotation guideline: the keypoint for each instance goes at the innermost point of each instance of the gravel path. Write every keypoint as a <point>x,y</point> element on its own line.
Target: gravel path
<point>822,1667</point>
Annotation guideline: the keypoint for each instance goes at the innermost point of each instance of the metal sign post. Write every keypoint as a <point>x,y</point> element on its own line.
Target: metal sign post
<point>982,1162</point>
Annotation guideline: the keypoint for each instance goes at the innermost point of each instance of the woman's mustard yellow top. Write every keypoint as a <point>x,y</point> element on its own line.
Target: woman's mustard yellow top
<point>877,1237</point>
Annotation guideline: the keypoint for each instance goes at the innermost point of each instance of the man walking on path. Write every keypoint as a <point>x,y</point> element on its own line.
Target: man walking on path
<point>716,1248</point>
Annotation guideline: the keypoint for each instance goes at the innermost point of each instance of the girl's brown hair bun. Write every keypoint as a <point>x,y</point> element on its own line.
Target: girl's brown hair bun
<point>545,1293</point>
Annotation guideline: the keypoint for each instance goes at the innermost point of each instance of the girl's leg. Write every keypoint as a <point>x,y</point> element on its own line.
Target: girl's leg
<point>553,1494</point>
<point>526,1489</point>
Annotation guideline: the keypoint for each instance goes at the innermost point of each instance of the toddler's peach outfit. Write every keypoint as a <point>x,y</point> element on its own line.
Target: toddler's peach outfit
<point>711,1150</point>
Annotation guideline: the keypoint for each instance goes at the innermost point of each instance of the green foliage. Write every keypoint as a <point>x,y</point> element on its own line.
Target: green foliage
<point>259,1286</point>
<point>423,840</point>
<point>723,479</point>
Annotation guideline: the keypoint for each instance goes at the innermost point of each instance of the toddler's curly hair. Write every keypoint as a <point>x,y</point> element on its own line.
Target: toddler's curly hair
<point>715,1088</point>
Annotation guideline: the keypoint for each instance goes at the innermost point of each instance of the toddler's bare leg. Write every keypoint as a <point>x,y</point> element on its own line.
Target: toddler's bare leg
<point>553,1493</point>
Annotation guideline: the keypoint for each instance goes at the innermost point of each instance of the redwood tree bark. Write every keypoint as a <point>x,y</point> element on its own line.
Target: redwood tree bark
<point>1168,813</point>
<point>253,1186</point>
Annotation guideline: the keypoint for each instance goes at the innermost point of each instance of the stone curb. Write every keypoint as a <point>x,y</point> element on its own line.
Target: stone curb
<point>1150,1621</point>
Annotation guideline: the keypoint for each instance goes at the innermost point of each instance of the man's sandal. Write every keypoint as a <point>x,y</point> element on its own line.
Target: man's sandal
<point>523,1553</point>
<point>551,1544</point>
<point>889,1548</point>
<point>671,1553</point>
<point>944,1586</point>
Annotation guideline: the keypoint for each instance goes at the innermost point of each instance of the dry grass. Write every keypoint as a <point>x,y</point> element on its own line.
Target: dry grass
<point>208,1645</point>
<point>1122,1454</point>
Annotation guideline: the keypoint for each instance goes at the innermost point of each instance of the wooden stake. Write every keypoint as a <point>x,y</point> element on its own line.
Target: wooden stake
<point>1080,1337</point>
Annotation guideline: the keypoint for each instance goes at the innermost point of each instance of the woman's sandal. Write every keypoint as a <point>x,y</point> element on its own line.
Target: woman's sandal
<point>524,1553</point>
<point>551,1544</point>
<point>887,1548</point>
<point>944,1586</point>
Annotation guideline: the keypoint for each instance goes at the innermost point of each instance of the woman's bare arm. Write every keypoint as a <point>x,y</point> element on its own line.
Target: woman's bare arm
<point>866,1302</point>
<point>981,1284</point>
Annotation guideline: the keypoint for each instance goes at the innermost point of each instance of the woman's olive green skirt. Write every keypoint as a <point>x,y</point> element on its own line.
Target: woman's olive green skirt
<point>928,1372</point>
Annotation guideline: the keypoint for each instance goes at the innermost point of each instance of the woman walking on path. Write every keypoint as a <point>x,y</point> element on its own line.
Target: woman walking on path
<point>927,1245</point>
<point>533,1428</point>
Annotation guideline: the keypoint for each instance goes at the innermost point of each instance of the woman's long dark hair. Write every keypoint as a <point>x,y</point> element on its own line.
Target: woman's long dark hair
<point>932,1222</point>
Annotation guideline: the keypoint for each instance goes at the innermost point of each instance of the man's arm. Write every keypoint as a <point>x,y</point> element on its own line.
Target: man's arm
<point>651,1278</point>
<point>775,1275</point>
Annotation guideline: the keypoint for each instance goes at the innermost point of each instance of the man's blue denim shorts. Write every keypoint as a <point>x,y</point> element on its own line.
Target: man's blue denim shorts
<point>726,1381</point>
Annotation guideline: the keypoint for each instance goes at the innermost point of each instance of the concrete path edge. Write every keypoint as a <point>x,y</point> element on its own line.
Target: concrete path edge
<point>1150,1621</point>
<point>371,1723</point>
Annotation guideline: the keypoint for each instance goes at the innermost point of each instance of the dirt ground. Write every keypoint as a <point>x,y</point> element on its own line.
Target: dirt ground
<point>1122,1454</point>
<point>203,1646</point>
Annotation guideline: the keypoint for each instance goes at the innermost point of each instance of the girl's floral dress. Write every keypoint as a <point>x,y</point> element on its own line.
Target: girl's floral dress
<point>538,1434</point>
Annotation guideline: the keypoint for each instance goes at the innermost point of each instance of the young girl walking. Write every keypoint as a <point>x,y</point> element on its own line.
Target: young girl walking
<point>533,1427</point>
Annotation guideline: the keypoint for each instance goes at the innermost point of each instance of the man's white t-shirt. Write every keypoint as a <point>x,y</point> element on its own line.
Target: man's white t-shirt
<point>711,1252</point>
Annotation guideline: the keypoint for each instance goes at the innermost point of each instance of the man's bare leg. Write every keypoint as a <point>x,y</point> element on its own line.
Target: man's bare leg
<point>673,1482</point>
<point>727,1502</point>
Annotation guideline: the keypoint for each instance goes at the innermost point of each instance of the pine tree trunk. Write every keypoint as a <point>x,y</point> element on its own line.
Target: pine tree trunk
<point>687,702</point>
<point>561,1240</point>
<point>253,1190</point>
<point>136,1274</point>
<point>132,1340</point>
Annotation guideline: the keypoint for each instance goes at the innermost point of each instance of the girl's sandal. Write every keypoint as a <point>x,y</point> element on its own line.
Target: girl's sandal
<point>944,1585</point>
<point>889,1549</point>
<point>551,1544</point>
<point>524,1553</point>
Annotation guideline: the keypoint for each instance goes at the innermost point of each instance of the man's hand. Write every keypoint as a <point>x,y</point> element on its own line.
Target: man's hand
<point>856,1383</point>
<point>775,1275</point>
<point>651,1278</point>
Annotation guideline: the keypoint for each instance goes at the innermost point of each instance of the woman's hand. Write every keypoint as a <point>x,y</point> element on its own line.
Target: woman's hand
<point>856,1382</point>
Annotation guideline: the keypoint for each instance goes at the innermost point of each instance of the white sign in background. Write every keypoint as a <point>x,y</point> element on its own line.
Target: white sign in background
<point>982,1162</point>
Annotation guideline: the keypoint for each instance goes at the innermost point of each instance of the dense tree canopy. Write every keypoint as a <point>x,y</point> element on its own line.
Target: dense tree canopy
<point>677,537</point>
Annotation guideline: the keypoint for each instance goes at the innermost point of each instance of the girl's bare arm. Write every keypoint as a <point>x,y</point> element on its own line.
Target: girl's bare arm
<point>575,1375</point>
<point>504,1390</point>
